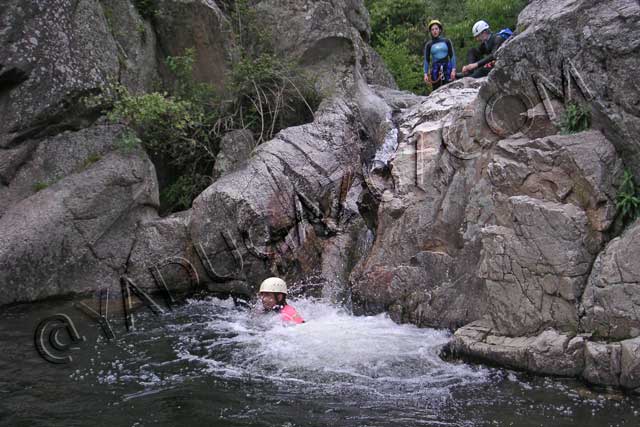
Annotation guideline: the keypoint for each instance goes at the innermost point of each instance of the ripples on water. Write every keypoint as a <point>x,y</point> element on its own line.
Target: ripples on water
<point>209,363</point>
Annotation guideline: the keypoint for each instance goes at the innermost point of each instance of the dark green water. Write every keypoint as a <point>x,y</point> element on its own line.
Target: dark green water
<point>207,363</point>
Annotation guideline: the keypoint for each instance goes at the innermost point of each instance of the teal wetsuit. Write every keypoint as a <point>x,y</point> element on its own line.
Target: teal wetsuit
<point>439,57</point>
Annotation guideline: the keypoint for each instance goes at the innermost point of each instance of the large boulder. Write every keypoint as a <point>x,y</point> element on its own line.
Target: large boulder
<point>76,235</point>
<point>420,268</point>
<point>200,25</point>
<point>327,37</point>
<point>583,56</point>
<point>273,215</point>
<point>56,53</point>
<point>42,163</point>
<point>552,204</point>
<point>611,301</point>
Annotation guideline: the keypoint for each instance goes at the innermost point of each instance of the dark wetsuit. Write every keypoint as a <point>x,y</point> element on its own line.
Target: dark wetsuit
<point>439,60</point>
<point>484,55</point>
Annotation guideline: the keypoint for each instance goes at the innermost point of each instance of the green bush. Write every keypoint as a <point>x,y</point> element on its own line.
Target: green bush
<point>576,118</point>
<point>146,8</point>
<point>40,185</point>
<point>270,94</point>
<point>182,129</point>
<point>628,199</point>
<point>405,66</point>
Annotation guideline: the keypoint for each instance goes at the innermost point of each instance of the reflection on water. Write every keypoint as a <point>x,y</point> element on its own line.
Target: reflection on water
<point>209,363</point>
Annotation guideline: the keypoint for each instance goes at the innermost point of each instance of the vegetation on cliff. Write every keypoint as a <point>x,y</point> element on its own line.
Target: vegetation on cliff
<point>181,126</point>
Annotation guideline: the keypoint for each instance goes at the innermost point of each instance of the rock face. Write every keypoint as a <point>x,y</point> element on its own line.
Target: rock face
<point>235,149</point>
<point>547,266</point>
<point>100,201</point>
<point>268,217</point>
<point>199,25</point>
<point>574,64</point>
<point>52,55</point>
<point>328,37</point>
<point>611,301</point>
<point>76,234</point>
<point>72,199</point>
<point>415,266</point>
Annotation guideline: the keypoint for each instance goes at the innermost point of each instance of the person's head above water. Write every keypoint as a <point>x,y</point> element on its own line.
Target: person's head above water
<point>273,293</point>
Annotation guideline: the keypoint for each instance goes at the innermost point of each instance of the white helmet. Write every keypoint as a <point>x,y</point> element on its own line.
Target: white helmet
<point>479,27</point>
<point>273,284</point>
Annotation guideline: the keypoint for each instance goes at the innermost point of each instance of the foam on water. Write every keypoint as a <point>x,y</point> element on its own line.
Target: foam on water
<point>329,352</point>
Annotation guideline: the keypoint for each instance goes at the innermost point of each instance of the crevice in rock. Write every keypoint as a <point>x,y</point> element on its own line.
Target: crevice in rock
<point>11,77</point>
<point>70,114</point>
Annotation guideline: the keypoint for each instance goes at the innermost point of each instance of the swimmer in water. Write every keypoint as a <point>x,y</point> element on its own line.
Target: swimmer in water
<point>273,294</point>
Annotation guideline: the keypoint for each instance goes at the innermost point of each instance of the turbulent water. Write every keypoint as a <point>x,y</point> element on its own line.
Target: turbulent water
<point>210,363</point>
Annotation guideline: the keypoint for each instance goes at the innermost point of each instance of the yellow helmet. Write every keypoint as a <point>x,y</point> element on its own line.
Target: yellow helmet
<point>435,22</point>
<point>273,284</point>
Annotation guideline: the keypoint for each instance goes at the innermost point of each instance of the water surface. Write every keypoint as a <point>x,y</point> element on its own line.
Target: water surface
<point>210,363</point>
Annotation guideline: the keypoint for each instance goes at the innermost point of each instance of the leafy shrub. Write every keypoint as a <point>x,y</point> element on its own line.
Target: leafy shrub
<point>576,118</point>
<point>405,66</point>
<point>40,185</point>
<point>628,199</point>
<point>182,129</point>
<point>146,8</point>
<point>270,94</point>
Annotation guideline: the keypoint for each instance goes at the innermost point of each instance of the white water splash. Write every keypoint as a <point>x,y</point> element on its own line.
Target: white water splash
<point>329,352</point>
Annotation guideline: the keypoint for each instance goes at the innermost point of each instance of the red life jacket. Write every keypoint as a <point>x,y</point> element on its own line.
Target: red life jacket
<point>290,315</point>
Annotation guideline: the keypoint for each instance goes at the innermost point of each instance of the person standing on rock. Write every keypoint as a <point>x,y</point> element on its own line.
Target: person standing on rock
<point>439,58</point>
<point>273,294</point>
<point>481,59</point>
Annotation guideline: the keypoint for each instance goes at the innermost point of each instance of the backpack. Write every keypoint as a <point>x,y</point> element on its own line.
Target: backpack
<point>505,33</point>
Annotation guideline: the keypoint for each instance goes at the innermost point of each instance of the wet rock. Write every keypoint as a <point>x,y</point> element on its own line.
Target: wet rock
<point>235,149</point>
<point>76,235</point>
<point>163,251</point>
<point>397,99</point>
<point>549,353</point>
<point>602,363</point>
<point>611,300</point>
<point>630,363</point>
<point>414,268</point>
<point>553,353</point>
